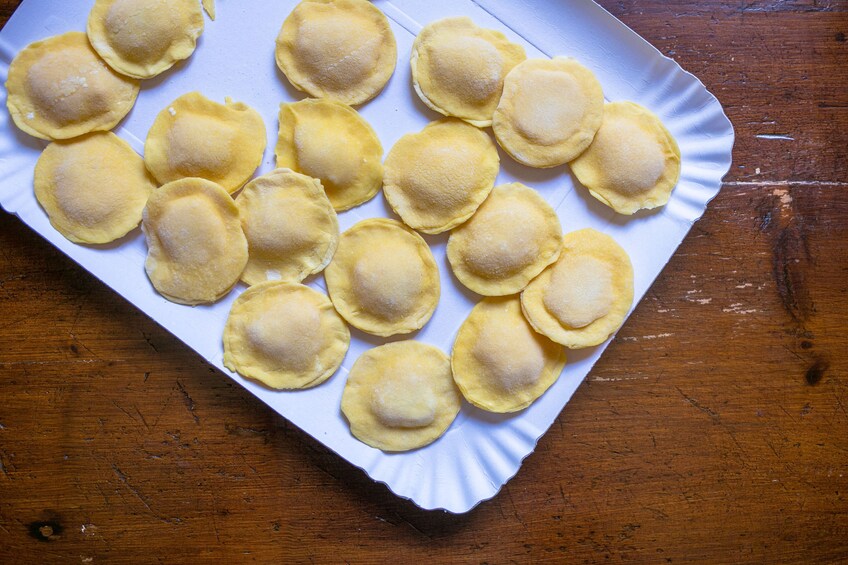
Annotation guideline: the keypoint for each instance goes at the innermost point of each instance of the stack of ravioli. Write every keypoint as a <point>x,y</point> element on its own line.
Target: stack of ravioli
<point>209,223</point>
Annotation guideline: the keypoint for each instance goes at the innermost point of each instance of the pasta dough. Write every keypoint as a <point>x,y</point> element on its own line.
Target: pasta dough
<point>513,236</point>
<point>341,49</point>
<point>583,298</point>
<point>292,231</point>
<point>58,88</point>
<point>330,141</point>
<point>196,249</point>
<point>400,396</point>
<point>284,335</point>
<point>383,278</point>
<point>634,162</point>
<point>196,137</point>
<point>92,187</point>
<point>499,363</point>
<point>549,111</point>
<point>435,179</point>
<point>458,69</point>
<point>143,38</point>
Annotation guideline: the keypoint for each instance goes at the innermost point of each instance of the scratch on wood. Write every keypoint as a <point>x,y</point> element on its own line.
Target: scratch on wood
<point>188,401</point>
<point>706,410</point>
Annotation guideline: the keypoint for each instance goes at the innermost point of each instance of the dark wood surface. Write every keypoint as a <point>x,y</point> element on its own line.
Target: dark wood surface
<point>714,429</point>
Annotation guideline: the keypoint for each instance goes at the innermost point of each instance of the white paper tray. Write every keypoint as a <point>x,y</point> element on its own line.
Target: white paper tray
<point>480,451</point>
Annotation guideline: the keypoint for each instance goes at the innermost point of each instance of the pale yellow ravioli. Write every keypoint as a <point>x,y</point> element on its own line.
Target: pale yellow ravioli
<point>633,163</point>
<point>196,249</point>
<point>92,187</point>
<point>549,111</point>
<point>143,38</point>
<point>513,236</point>
<point>436,178</point>
<point>59,88</point>
<point>400,396</point>
<point>383,278</point>
<point>329,140</point>
<point>583,298</point>
<point>284,335</point>
<point>196,137</point>
<point>458,69</point>
<point>499,362</point>
<point>341,49</point>
<point>209,6</point>
<point>291,228</point>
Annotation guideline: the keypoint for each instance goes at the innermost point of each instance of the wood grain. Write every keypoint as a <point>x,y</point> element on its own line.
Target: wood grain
<point>714,429</point>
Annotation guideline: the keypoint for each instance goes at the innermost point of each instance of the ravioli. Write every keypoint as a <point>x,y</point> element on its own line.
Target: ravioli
<point>340,49</point>
<point>458,69</point>
<point>196,249</point>
<point>329,140</point>
<point>209,7</point>
<point>583,298</point>
<point>400,396</point>
<point>513,236</point>
<point>58,88</point>
<point>196,137</point>
<point>93,187</point>
<point>634,162</point>
<point>291,228</point>
<point>549,112</point>
<point>284,335</point>
<point>499,363</point>
<point>143,38</point>
<point>383,279</point>
<point>436,178</point>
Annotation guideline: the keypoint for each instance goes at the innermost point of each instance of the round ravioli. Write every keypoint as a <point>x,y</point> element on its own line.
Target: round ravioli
<point>580,300</point>
<point>383,278</point>
<point>549,111</point>
<point>513,236</point>
<point>291,228</point>
<point>329,140</point>
<point>435,179</point>
<point>499,363</point>
<point>341,49</point>
<point>458,69</point>
<point>633,163</point>
<point>58,88</point>
<point>196,137</point>
<point>400,396</point>
<point>284,335</point>
<point>93,187</point>
<point>142,38</point>
<point>196,249</point>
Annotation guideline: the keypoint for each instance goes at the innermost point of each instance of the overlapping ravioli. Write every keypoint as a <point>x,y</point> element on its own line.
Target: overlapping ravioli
<point>499,363</point>
<point>549,111</point>
<point>458,69</point>
<point>291,228</point>
<point>383,278</point>
<point>196,137</point>
<point>142,38</point>
<point>329,140</point>
<point>633,163</point>
<point>196,249</point>
<point>583,298</point>
<point>400,396</point>
<point>284,335</point>
<point>341,49</point>
<point>93,187</point>
<point>435,179</point>
<point>513,236</point>
<point>58,88</point>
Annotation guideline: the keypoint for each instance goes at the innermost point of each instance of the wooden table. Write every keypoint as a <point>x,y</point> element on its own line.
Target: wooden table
<point>714,429</point>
